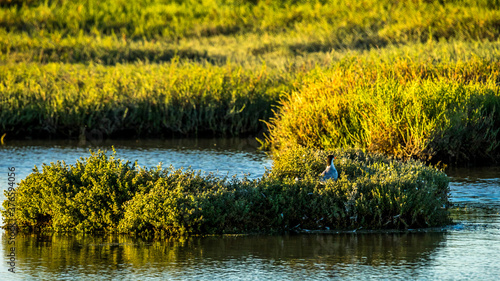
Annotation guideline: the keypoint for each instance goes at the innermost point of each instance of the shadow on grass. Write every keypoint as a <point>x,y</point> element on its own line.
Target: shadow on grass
<point>357,45</point>
<point>113,56</point>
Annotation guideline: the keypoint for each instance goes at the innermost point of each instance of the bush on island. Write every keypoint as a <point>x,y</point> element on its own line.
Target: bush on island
<point>103,194</point>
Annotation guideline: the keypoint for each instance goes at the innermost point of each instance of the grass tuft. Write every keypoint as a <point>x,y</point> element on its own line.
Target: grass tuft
<point>431,111</point>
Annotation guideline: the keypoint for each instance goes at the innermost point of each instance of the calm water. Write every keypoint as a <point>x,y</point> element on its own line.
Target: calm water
<point>470,249</point>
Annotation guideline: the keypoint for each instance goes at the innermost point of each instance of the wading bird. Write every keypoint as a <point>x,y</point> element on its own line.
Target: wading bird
<point>330,172</point>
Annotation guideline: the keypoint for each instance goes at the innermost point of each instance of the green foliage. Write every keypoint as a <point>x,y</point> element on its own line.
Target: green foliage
<point>440,111</point>
<point>258,26</point>
<point>84,197</point>
<point>104,194</point>
<point>373,191</point>
<point>140,100</point>
<point>407,78</point>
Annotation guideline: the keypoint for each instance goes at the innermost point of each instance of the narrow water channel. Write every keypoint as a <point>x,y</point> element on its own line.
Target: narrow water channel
<point>469,249</point>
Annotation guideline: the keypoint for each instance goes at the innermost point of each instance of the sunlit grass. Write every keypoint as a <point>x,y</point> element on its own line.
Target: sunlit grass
<point>446,110</point>
<point>407,78</point>
<point>137,100</point>
<point>119,31</point>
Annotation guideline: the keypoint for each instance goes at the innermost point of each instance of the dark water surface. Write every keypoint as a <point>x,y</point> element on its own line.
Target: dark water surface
<point>468,250</point>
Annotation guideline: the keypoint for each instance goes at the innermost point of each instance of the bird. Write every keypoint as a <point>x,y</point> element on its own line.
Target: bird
<point>330,172</point>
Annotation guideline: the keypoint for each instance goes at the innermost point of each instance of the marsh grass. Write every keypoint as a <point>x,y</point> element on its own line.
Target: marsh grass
<point>182,97</point>
<point>140,99</point>
<point>406,78</point>
<point>312,26</point>
<point>101,193</point>
<point>433,111</point>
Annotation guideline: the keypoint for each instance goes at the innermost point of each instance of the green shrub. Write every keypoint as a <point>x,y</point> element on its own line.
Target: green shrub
<point>84,197</point>
<point>104,194</point>
<point>373,191</point>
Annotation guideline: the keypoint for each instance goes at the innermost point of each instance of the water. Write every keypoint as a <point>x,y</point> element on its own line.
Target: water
<point>469,249</point>
<point>220,156</point>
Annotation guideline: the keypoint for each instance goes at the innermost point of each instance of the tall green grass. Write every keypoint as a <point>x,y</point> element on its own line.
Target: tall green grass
<point>103,194</point>
<point>407,78</point>
<point>429,110</point>
<point>437,100</point>
<point>107,31</point>
<point>372,21</point>
<point>141,100</point>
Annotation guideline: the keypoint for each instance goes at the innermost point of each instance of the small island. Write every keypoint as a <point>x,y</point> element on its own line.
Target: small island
<point>102,193</point>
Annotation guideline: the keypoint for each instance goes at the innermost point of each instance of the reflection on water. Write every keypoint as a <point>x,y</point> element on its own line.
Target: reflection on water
<point>470,249</point>
<point>228,257</point>
<point>462,252</point>
<point>475,186</point>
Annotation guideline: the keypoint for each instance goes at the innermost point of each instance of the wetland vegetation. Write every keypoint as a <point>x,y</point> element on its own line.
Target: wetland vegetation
<point>406,79</point>
<point>101,193</point>
<point>413,79</point>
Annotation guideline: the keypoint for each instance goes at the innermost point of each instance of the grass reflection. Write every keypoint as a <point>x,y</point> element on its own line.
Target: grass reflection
<point>122,255</point>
